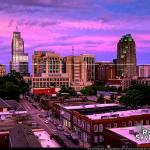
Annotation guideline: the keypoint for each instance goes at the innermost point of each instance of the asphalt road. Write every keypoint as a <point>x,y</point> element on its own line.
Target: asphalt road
<point>48,127</point>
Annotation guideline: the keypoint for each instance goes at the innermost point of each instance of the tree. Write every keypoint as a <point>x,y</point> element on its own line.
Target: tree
<point>100,99</point>
<point>133,98</point>
<point>12,86</point>
<point>85,99</point>
<point>112,98</point>
<point>144,90</point>
<point>69,90</point>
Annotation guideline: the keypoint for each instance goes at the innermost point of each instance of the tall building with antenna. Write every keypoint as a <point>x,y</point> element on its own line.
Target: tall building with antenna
<point>77,70</point>
<point>126,57</point>
<point>19,60</point>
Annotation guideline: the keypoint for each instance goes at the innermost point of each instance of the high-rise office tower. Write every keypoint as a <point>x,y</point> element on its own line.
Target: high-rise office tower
<point>90,59</point>
<point>19,61</point>
<point>76,68</point>
<point>126,57</point>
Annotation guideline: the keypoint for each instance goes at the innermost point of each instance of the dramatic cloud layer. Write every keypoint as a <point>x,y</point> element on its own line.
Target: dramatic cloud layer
<point>91,26</point>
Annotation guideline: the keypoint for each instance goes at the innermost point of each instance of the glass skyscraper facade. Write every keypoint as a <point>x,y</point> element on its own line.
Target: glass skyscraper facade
<point>19,60</point>
<point>126,57</point>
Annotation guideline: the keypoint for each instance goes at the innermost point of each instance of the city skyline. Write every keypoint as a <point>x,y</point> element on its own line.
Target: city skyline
<point>88,25</point>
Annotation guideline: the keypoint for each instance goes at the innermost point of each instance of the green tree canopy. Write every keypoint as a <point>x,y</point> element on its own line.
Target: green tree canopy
<point>100,99</point>
<point>12,86</point>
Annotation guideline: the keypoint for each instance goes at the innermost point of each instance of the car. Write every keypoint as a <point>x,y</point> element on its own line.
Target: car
<point>55,123</point>
<point>68,135</point>
<point>60,128</point>
<point>74,139</point>
<point>54,131</point>
<point>46,121</point>
<point>41,116</point>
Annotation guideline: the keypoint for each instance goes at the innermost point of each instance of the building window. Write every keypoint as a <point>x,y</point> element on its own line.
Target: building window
<point>130,123</point>
<point>124,124</point>
<point>79,122</point>
<point>88,127</point>
<point>95,128</point>
<point>101,139</point>
<point>101,128</point>
<point>115,125</point>
<point>141,122</point>
<point>109,125</point>
<point>135,123</point>
<point>95,139</point>
<point>147,122</point>
<point>75,120</point>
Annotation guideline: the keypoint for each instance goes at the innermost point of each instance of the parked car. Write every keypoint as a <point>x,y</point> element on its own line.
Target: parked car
<point>74,139</point>
<point>41,116</point>
<point>54,131</point>
<point>68,135</point>
<point>60,128</point>
<point>46,121</point>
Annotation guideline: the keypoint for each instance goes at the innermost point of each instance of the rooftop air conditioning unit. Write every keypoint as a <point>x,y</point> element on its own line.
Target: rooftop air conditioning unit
<point>131,131</point>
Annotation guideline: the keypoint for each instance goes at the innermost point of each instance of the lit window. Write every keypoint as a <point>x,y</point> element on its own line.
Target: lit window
<point>95,128</point>
<point>101,128</point>
<point>96,139</point>
<point>115,125</point>
<point>130,123</point>
<point>124,124</point>
<point>101,139</point>
<point>109,125</point>
<point>88,127</point>
<point>147,122</point>
<point>135,123</point>
<point>141,122</point>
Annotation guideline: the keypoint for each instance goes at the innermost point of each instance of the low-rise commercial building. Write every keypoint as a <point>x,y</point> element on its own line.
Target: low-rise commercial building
<point>89,121</point>
<point>9,108</point>
<point>22,137</point>
<point>126,137</point>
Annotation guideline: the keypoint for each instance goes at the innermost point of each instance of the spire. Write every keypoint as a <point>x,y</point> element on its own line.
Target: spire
<point>72,51</point>
<point>16,28</point>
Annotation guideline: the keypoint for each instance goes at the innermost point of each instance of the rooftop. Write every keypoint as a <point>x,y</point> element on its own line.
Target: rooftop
<point>44,139</point>
<point>95,108</point>
<point>3,104</point>
<point>90,106</point>
<point>116,114</point>
<point>128,132</point>
<point>22,137</point>
<point>15,105</point>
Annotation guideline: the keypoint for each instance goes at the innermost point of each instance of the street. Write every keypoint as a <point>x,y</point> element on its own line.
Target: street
<point>47,127</point>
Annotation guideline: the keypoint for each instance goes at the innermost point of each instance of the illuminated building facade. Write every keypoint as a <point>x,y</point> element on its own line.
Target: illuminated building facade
<point>90,60</point>
<point>48,73</point>
<point>2,70</point>
<point>126,57</point>
<point>76,68</point>
<point>104,71</point>
<point>19,61</point>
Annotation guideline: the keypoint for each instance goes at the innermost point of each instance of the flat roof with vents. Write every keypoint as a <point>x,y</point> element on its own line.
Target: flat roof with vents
<point>128,133</point>
<point>125,113</point>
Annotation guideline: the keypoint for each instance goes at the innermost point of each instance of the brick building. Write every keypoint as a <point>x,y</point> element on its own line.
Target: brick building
<point>125,137</point>
<point>89,121</point>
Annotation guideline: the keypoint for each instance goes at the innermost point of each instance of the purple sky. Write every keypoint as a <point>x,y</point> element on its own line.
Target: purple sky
<point>91,26</point>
